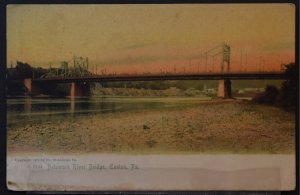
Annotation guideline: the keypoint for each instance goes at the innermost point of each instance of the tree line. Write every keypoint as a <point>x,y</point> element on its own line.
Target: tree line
<point>286,96</point>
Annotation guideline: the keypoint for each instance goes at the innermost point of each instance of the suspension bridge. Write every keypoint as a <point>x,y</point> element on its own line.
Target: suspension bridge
<point>79,77</point>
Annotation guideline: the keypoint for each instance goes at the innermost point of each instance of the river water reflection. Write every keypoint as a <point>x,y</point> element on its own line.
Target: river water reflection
<point>27,110</point>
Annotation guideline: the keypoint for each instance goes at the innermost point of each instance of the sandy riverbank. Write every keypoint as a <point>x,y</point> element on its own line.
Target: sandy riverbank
<point>212,127</point>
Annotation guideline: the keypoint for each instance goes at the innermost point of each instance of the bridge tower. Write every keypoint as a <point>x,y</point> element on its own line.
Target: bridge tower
<point>225,57</point>
<point>224,88</point>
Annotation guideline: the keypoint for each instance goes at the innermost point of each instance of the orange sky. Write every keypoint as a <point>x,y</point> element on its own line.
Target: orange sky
<point>147,38</point>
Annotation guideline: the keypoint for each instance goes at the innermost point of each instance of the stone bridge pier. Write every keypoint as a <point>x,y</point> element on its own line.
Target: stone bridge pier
<point>76,88</point>
<point>32,88</point>
<point>80,89</point>
<point>224,89</point>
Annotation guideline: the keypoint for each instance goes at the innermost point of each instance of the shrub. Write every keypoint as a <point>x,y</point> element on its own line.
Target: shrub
<point>269,96</point>
<point>287,96</point>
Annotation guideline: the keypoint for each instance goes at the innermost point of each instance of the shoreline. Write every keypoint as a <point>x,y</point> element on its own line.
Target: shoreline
<point>230,126</point>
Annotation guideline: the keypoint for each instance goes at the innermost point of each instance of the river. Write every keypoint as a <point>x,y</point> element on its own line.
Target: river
<point>26,110</point>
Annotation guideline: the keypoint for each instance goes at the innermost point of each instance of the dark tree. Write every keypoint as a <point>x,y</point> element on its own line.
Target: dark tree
<point>269,96</point>
<point>288,96</point>
<point>23,70</point>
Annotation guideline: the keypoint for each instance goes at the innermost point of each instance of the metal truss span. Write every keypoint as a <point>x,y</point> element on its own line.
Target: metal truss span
<point>161,77</point>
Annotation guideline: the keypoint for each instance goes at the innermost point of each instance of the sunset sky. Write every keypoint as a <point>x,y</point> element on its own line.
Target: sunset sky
<point>152,38</point>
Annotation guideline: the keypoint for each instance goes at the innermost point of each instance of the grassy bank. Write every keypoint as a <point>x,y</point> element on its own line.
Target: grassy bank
<point>212,127</point>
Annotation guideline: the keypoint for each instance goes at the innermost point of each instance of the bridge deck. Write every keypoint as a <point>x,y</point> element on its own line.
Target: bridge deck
<point>170,76</point>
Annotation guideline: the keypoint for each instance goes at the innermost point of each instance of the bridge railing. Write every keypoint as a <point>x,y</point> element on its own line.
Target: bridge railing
<point>171,76</point>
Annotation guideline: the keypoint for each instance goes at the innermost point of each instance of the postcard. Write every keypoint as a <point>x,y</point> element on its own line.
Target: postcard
<point>151,97</point>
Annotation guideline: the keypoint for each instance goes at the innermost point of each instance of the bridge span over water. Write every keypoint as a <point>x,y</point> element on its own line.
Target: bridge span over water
<point>172,76</point>
<point>80,85</point>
